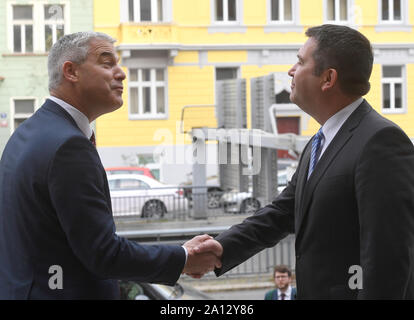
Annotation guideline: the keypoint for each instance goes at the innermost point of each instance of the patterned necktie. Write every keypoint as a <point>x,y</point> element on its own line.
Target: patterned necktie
<point>92,138</point>
<point>282,296</point>
<point>316,150</point>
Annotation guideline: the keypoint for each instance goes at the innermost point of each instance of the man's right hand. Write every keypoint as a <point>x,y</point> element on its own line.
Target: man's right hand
<point>204,254</point>
<point>210,245</point>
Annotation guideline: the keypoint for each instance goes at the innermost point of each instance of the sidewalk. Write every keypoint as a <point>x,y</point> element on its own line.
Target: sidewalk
<point>229,284</point>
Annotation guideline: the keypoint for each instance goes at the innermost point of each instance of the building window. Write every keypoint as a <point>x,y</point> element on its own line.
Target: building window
<point>22,28</point>
<point>145,10</point>
<point>226,73</point>
<point>282,16</point>
<point>283,97</point>
<point>337,11</point>
<point>22,110</point>
<point>36,27</point>
<point>281,11</point>
<point>391,11</point>
<point>392,89</point>
<point>54,24</point>
<point>225,10</point>
<point>147,92</point>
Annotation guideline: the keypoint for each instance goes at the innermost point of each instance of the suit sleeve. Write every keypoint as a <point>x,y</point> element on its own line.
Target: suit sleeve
<point>384,185</point>
<point>264,229</point>
<point>78,194</point>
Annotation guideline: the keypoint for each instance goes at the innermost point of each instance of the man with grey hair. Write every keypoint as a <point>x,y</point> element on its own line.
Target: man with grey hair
<point>57,234</point>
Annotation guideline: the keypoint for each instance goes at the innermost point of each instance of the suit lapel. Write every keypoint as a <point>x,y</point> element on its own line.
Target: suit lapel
<point>334,148</point>
<point>301,182</point>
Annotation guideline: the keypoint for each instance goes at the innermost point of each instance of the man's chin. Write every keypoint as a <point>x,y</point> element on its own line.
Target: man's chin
<point>118,104</point>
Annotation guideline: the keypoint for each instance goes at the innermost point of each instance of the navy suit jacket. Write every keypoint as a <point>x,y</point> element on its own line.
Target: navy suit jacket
<point>356,209</point>
<point>55,209</point>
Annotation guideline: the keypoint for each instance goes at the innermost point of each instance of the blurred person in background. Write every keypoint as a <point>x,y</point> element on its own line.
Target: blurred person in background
<point>282,276</point>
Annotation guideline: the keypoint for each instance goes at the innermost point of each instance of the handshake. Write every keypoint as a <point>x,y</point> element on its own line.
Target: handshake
<point>204,255</point>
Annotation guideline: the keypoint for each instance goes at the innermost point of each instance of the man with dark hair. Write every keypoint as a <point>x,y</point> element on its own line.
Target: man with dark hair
<point>282,277</point>
<point>351,57</point>
<point>351,200</point>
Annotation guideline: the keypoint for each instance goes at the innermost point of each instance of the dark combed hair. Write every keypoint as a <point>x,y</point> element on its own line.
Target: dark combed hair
<point>282,269</point>
<point>347,51</point>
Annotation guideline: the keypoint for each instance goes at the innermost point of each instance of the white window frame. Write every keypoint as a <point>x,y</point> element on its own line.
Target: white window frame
<point>392,82</point>
<point>39,46</point>
<point>349,6</point>
<point>391,12</point>
<point>153,84</point>
<point>22,24</point>
<point>20,115</point>
<point>226,20</point>
<point>54,24</point>
<point>166,11</point>
<point>402,25</point>
<point>281,12</point>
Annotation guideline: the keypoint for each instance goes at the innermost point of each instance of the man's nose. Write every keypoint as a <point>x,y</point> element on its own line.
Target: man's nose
<point>119,74</point>
<point>292,70</point>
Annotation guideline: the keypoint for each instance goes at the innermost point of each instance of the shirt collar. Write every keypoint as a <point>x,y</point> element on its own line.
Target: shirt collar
<point>287,293</point>
<point>334,123</point>
<point>81,120</point>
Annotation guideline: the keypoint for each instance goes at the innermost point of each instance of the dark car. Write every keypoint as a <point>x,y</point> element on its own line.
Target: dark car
<point>133,290</point>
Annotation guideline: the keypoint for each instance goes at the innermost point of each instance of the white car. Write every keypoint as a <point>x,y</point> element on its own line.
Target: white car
<point>133,194</point>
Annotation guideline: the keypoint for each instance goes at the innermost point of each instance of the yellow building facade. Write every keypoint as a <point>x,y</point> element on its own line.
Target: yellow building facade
<point>174,51</point>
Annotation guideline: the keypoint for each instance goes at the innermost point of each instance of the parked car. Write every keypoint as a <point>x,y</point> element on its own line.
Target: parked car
<point>130,170</point>
<point>214,191</point>
<point>133,194</point>
<point>244,202</point>
<point>134,290</point>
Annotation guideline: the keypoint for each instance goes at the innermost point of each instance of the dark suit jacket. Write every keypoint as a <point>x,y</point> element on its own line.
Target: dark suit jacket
<point>357,208</point>
<point>55,209</point>
<point>274,294</point>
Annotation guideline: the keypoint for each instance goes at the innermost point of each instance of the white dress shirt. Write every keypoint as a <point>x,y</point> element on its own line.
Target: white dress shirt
<point>287,293</point>
<point>334,123</point>
<point>81,120</point>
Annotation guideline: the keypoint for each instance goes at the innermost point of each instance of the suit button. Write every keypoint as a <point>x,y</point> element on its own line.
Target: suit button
<point>297,257</point>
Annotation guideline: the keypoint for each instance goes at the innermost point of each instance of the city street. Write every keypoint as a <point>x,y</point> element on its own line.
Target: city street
<point>249,294</point>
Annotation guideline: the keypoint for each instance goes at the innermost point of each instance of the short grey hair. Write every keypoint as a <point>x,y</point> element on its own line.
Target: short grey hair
<point>71,47</point>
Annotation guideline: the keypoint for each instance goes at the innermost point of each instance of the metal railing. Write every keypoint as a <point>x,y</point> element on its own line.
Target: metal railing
<point>260,264</point>
<point>180,203</point>
<point>264,262</point>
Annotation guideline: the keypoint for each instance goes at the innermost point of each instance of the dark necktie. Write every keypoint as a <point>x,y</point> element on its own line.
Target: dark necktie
<point>282,296</point>
<point>316,150</point>
<point>92,138</point>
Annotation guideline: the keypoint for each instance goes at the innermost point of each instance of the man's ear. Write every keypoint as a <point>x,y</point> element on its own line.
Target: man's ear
<point>329,79</point>
<point>70,71</point>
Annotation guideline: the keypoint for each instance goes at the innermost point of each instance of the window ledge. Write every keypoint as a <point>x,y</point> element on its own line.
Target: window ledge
<point>148,117</point>
<point>227,28</point>
<point>147,23</point>
<point>282,27</point>
<point>25,54</point>
<point>394,27</point>
<point>286,107</point>
<point>393,111</point>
